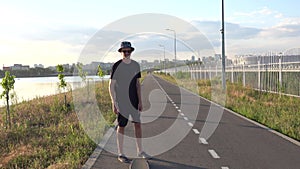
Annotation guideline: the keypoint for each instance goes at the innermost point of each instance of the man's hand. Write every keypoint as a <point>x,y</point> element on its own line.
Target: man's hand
<point>115,108</point>
<point>140,107</point>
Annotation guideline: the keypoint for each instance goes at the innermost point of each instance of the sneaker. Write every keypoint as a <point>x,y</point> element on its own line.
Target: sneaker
<point>144,155</point>
<point>123,159</point>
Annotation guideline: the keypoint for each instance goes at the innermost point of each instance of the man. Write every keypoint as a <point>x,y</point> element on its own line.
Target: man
<point>125,92</point>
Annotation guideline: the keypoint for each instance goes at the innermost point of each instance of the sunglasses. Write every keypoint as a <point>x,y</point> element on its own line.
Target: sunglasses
<point>126,51</point>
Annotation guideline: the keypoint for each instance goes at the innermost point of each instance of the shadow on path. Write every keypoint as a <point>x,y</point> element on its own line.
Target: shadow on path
<point>156,163</point>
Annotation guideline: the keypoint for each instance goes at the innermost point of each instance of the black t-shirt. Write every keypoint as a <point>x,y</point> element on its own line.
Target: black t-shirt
<point>126,76</point>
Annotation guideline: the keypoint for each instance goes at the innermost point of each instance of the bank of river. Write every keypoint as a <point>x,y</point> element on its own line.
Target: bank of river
<point>29,88</point>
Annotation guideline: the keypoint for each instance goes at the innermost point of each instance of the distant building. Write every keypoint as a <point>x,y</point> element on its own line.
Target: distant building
<point>218,56</point>
<point>5,68</point>
<point>193,59</point>
<point>66,66</point>
<point>19,67</point>
<point>38,66</point>
<point>53,68</point>
<point>144,61</point>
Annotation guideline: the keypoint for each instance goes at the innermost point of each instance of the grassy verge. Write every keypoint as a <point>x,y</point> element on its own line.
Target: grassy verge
<point>281,113</point>
<point>46,135</point>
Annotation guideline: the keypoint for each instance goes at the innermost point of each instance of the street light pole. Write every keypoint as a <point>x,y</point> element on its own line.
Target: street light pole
<point>164,56</point>
<point>174,47</point>
<point>223,49</point>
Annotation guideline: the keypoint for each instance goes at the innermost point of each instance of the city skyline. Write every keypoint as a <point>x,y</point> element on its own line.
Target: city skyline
<point>50,34</point>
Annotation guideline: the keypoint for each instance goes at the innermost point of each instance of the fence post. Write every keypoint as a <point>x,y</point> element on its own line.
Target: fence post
<point>217,69</point>
<point>196,71</point>
<point>266,78</point>
<point>280,73</point>
<point>244,76</point>
<point>209,72</point>
<point>232,74</point>
<point>205,72</point>
<point>258,73</point>
<point>200,71</point>
<point>272,73</point>
<point>191,71</point>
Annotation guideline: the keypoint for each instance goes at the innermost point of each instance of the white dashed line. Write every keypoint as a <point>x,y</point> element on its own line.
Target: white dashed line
<point>196,131</point>
<point>224,167</point>
<point>185,118</point>
<point>202,141</point>
<point>213,154</point>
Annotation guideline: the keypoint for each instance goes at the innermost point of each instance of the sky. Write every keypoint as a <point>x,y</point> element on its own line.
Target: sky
<point>57,32</point>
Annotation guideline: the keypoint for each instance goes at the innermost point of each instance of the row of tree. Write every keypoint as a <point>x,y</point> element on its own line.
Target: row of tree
<point>8,82</point>
<point>32,72</point>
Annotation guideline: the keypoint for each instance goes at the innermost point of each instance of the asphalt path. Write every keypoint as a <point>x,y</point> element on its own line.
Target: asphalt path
<point>171,112</point>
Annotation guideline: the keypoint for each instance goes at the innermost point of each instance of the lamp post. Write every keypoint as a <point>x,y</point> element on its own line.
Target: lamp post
<point>163,46</point>
<point>174,47</point>
<point>223,50</point>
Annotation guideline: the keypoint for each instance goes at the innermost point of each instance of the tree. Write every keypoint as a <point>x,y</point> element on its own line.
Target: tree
<point>81,73</point>
<point>62,83</point>
<point>100,73</point>
<point>7,84</point>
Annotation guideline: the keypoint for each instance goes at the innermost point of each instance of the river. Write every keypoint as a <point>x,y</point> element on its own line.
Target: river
<point>30,88</point>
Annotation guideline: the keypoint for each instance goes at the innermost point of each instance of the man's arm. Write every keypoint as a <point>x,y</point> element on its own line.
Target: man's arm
<point>138,87</point>
<point>113,97</point>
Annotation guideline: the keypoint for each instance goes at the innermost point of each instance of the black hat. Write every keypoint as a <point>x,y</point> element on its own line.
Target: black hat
<point>125,44</point>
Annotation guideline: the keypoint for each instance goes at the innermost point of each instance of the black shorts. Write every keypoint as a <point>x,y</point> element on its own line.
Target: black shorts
<point>123,118</point>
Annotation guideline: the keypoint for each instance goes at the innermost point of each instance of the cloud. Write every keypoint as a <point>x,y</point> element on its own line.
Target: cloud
<point>239,39</point>
<point>34,51</point>
<point>250,40</point>
<point>285,28</point>
<point>260,18</point>
<point>71,35</point>
<point>257,13</point>
<point>233,31</point>
<point>71,40</point>
<point>284,31</point>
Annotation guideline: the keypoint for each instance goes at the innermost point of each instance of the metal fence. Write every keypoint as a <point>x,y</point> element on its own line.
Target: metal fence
<point>279,77</point>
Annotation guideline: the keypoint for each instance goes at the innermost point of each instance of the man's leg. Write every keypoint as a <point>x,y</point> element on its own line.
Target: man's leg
<point>120,139</point>
<point>138,135</point>
<point>122,122</point>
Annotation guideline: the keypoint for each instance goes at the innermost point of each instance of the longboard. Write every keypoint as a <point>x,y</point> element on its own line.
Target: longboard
<point>139,163</point>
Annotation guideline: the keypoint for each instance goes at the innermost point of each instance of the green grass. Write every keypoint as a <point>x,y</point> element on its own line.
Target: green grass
<point>281,113</point>
<point>47,135</point>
